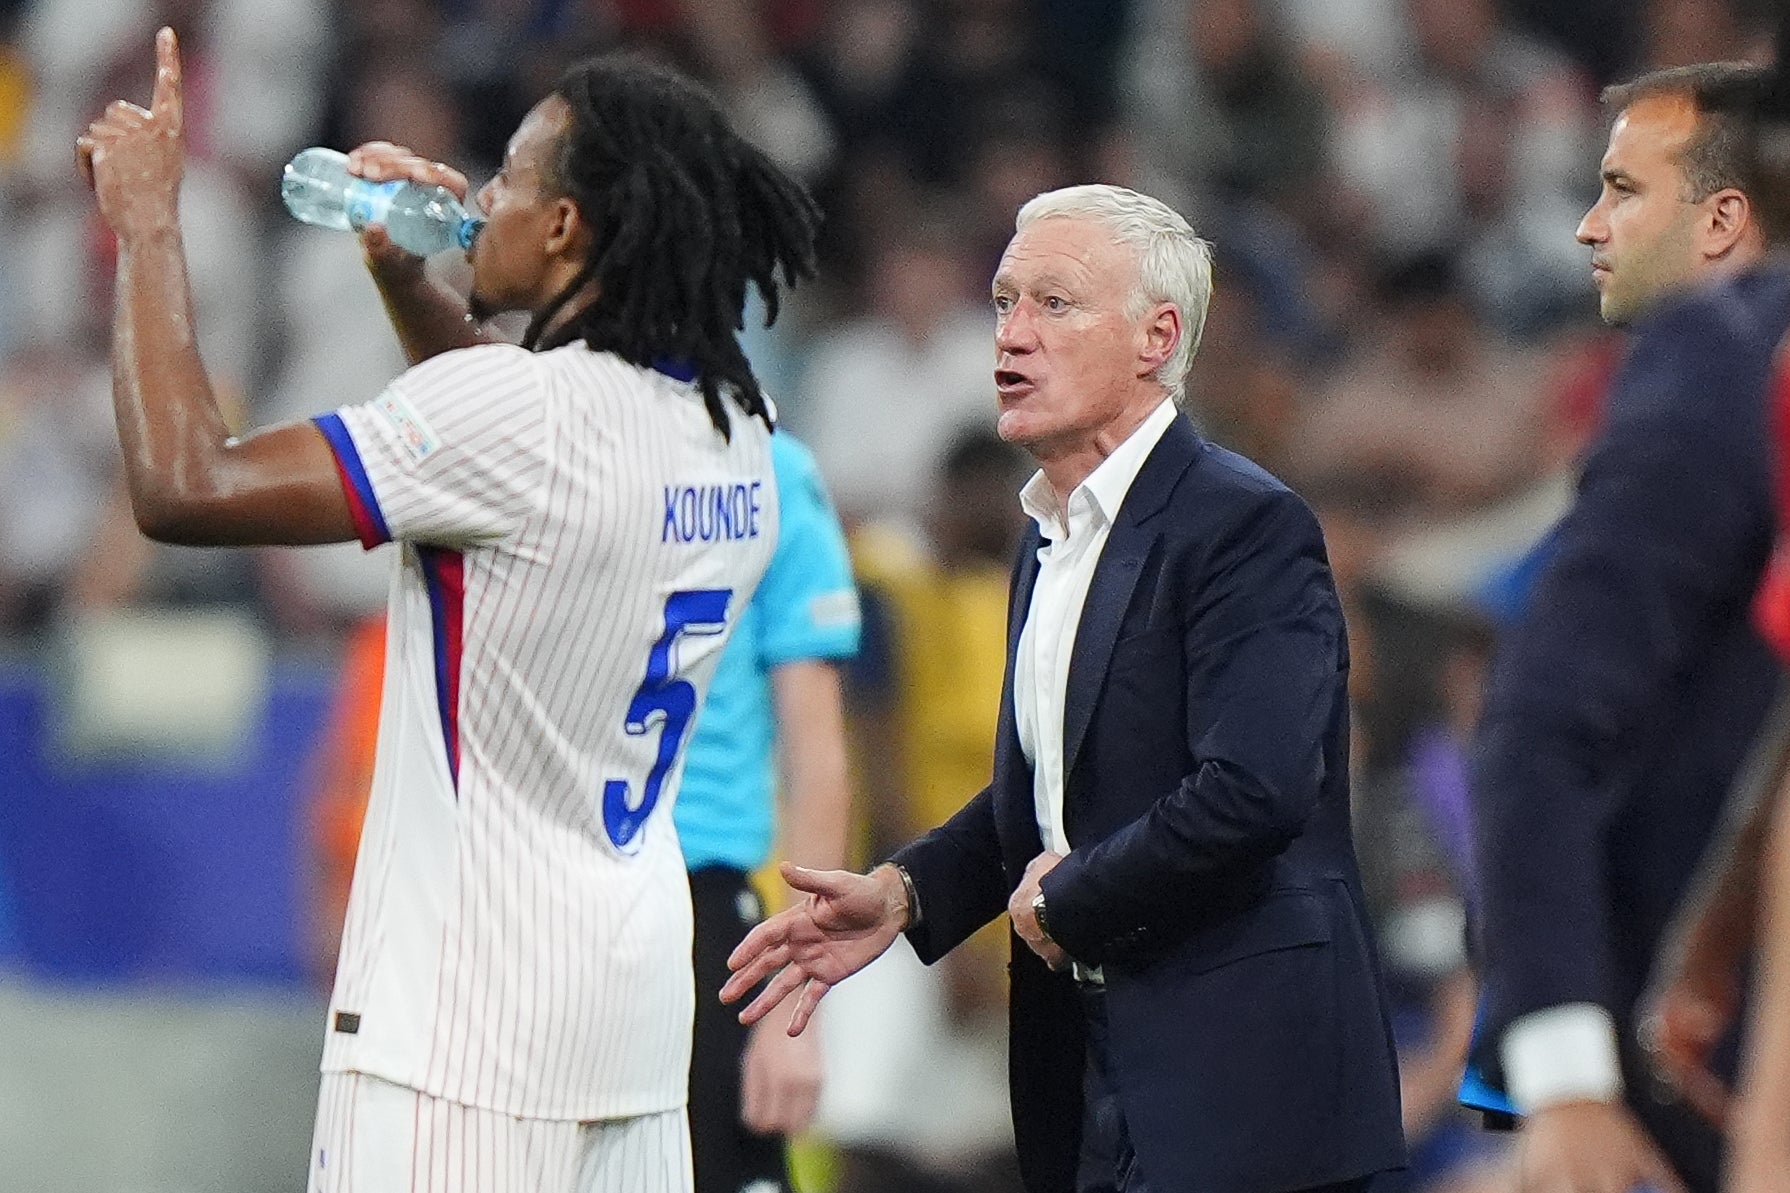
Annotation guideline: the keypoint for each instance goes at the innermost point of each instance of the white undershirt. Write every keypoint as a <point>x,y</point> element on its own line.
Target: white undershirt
<point>1066,565</point>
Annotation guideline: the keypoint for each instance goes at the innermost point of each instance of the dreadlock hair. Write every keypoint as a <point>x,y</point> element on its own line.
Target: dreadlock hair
<point>684,213</point>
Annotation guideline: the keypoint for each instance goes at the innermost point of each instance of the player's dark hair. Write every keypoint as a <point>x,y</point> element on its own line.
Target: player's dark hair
<point>1725,95</point>
<point>683,214</point>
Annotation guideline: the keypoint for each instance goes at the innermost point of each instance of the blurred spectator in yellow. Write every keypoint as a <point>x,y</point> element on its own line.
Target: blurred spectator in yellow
<point>15,84</point>
<point>916,1056</point>
<point>944,606</point>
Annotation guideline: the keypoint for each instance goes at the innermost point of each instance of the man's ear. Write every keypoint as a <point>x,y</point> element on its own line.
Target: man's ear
<point>568,235</point>
<point>1161,335</point>
<point>1729,221</point>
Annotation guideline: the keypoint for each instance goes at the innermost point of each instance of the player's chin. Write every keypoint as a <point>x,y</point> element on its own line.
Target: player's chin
<point>480,307</point>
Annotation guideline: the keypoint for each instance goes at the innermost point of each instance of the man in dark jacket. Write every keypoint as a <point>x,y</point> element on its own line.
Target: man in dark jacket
<point>1622,705</point>
<point>1195,1002</point>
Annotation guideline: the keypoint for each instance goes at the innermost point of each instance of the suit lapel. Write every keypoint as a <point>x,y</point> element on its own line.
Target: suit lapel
<point>1025,575</point>
<point>1012,775</point>
<point>1115,578</point>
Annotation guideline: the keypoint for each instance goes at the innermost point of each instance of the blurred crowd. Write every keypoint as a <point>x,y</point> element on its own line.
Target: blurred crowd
<point>1403,328</point>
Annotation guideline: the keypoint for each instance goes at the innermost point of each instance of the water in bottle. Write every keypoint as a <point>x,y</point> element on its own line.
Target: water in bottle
<point>421,219</point>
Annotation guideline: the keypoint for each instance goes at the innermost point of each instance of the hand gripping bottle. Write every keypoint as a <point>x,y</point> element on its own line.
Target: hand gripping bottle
<point>421,219</point>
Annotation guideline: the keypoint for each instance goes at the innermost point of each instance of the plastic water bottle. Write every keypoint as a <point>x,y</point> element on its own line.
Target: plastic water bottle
<point>421,219</point>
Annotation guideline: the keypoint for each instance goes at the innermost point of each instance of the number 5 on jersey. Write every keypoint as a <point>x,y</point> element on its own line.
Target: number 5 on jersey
<point>666,700</point>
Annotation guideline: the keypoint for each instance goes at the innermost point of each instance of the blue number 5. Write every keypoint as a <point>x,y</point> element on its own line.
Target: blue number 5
<point>667,701</point>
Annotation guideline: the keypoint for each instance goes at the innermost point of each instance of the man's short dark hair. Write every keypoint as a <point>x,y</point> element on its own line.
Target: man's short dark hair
<point>1726,96</point>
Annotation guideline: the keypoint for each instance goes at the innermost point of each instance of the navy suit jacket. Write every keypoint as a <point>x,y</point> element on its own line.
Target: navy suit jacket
<point>1212,875</point>
<point>1622,706</point>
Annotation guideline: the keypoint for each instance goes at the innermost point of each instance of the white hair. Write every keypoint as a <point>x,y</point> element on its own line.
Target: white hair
<point>1174,265</point>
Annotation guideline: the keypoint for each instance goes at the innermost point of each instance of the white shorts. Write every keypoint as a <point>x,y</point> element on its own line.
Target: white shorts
<point>376,1137</point>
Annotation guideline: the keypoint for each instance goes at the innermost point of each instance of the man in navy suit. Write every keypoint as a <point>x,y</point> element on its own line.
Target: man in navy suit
<point>1196,1006</point>
<point>1622,705</point>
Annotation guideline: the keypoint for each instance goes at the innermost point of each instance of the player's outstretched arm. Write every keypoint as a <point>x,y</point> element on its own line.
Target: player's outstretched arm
<point>429,317</point>
<point>844,922</point>
<point>188,480</point>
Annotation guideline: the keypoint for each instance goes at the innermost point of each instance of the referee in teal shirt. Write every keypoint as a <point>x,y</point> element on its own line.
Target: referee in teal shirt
<point>776,690</point>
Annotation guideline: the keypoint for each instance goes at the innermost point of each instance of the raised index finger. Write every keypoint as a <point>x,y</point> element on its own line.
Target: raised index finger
<point>166,104</point>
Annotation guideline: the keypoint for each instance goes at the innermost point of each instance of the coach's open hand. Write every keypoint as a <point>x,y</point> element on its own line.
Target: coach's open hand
<point>845,922</point>
<point>133,159</point>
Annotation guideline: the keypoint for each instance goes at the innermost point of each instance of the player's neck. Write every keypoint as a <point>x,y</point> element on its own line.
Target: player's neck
<point>572,308</point>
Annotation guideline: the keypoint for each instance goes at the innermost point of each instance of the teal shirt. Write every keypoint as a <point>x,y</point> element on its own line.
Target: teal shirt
<point>806,607</point>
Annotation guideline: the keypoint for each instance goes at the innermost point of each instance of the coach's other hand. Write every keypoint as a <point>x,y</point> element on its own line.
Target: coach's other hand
<point>845,922</point>
<point>1022,910</point>
<point>133,159</point>
<point>780,1077</point>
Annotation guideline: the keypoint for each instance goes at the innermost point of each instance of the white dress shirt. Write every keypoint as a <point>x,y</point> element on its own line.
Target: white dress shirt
<point>1066,563</point>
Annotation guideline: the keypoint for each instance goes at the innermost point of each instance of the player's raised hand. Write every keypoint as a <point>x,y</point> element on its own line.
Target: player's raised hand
<point>134,158</point>
<point>844,922</point>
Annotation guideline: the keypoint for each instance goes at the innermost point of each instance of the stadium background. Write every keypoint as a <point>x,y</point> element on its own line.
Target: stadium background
<point>1403,327</point>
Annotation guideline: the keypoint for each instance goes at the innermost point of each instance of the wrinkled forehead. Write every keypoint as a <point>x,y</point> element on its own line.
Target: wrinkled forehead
<point>1070,248</point>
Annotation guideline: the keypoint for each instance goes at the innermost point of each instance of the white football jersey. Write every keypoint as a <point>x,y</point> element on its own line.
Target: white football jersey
<point>576,542</point>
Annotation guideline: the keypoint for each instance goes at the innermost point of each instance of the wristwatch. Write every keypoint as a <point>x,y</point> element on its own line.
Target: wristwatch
<point>1038,914</point>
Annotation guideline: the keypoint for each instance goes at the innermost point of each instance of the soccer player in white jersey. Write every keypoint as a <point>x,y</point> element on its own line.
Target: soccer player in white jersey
<point>580,520</point>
